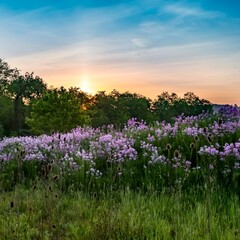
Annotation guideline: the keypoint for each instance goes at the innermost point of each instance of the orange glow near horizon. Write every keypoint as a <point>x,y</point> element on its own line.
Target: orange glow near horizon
<point>144,81</point>
<point>97,83</point>
<point>86,85</point>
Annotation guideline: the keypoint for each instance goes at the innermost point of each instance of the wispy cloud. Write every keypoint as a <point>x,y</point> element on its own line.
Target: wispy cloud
<point>181,9</point>
<point>139,42</point>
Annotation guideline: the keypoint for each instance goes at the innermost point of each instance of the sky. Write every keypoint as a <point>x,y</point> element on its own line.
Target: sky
<point>141,46</point>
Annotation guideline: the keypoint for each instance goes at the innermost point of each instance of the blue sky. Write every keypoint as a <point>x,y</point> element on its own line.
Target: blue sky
<point>144,46</point>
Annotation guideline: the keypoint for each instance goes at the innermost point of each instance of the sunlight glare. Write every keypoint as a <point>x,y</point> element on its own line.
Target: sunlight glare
<point>85,85</point>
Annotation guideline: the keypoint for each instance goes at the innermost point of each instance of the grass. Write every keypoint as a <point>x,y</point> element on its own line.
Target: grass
<point>43,212</point>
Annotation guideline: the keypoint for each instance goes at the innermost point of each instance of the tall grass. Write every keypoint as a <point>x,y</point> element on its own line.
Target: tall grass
<point>47,213</point>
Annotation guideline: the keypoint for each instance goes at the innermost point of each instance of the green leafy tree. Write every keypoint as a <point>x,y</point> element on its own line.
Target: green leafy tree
<point>6,115</point>
<point>7,74</point>
<point>58,110</point>
<point>116,108</point>
<point>103,109</point>
<point>22,89</point>
<point>164,108</point>
<point>195,105</point>
<point>135,105</point>
<point>19,90</point>
<point>168,106</point>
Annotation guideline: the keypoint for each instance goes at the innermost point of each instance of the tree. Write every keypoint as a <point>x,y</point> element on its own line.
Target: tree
<point>19,89</point>
<point>195,105</point>
<point>168,106</point>
<point>116,108</point>
<point>22,89</point>
<point>103,109</point>
<point>6,115</point>
<point>135,106</point>
<point>164,108</point>
<point>58,110</point>
<point>7,74</point>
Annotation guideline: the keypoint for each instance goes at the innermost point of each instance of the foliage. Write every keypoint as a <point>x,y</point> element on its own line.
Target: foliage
<point>20,89</point>
<point>6,114</point>
<point>168,106</point>
<point>7,74</point>
<point>1,131</point>
<point>58,110</point>
<point>24,88</point>
<point>116,108</point>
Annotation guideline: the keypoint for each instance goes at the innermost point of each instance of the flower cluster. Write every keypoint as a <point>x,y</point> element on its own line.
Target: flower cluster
<point>229,111</point>
<point>232,149</point>
<point>181,145</point>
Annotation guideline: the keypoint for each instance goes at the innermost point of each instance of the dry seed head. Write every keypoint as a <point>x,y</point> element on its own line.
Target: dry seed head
<point>209,139</point>
<point>196,138</point>
<point>192,145</point>
<point>43,170</point>
<point>49,167</point>
<point>12,204</point>
<point>56,177</point>
<point>177,154</point>
<point>168,146</point>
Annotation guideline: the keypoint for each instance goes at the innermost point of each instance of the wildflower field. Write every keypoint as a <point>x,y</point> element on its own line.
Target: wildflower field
<point>157,181</point>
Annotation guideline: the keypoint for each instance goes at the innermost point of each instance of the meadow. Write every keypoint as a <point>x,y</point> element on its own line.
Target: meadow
<point>144,181</point>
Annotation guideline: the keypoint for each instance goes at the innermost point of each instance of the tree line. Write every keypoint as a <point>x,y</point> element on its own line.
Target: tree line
<point>29,106</point>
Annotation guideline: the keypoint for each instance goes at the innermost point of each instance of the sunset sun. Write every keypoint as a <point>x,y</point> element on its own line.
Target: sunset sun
<point>85,85</point>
